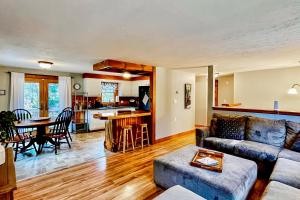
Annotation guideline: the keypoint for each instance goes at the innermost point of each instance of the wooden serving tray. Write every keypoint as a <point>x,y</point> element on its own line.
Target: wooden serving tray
<point>212,154</point>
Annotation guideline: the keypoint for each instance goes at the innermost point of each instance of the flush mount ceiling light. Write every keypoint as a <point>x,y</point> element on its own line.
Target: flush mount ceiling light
<point>293,90</point>
<point>126,75</point>
<point>45,64</point>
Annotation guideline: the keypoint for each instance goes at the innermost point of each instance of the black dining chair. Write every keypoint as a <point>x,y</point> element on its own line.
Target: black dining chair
<point>69,109</point>
<point>59,130</point>
<point>13,136</point>
<point>21,115</point>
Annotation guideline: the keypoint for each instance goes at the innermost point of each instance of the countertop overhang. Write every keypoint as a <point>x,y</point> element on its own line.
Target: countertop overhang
<point>112,116</point>
<point>250,110</point>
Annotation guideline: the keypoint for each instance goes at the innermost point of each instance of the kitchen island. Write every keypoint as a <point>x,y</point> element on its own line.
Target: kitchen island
<point>96,124</point>
<point>115,121</point>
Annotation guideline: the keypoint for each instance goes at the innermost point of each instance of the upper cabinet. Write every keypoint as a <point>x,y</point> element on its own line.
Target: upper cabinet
<point>126,88</point>
<point>92,87</point>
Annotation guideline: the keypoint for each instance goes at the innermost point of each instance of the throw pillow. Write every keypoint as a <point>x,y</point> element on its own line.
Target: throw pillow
<point>296,145</point>
<point>266,131</point>
<point>213,127</point>
<point>292,132</point>
<point>231,127</point>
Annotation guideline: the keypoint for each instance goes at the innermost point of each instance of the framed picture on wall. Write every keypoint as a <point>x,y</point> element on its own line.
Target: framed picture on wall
<point>187,95</point>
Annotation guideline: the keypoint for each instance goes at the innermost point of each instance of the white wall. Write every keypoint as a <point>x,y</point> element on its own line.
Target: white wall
<point>5,80</point>
<point>5,84</point>
<point>126,88</point>
<point>201,100</point>
<point>258,89</point>
<point>226,89</point>
<point>171,117</point>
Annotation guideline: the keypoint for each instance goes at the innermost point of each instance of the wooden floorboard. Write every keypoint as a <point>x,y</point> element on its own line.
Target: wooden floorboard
<point>120,176</point>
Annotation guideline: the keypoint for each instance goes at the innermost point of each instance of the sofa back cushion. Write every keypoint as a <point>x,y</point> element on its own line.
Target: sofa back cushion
<point>231,127</point>
<point>213,127</point>
<point>296,145</point>
<point>292,133</point>
<point>266,131</point>
<point>228,126</point>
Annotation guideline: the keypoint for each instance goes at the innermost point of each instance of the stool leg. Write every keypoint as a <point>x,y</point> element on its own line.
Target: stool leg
<point>127,139</point>
<point>124,140</point>
<point>120,140</point>
<point>142,137</point>
<point>136,135</point>
<point>131,139</point>
<point>147,136</point>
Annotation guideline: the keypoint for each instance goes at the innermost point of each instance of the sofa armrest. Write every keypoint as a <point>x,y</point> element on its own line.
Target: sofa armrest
<point>201,134</point>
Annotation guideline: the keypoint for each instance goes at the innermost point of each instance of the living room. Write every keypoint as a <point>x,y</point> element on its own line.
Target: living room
<point>149,100</point>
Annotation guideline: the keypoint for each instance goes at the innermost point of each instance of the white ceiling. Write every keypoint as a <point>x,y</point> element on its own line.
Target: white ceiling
<point>234,35</point>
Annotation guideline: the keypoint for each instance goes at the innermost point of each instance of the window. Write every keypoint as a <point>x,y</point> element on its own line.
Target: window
<point>32,98</point>
<point>109,91</point>
<point>53,100</point>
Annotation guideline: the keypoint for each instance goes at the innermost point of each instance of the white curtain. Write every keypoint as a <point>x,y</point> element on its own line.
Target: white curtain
<point>65,92</point>
<point>17,81</point>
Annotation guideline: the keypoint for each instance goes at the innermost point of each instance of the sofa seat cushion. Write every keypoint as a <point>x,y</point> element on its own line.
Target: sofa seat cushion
<point>266,131</point>
<point>257,151</point>
<point>178,192</point>
<point>221,144</point>
<point>234,183</point>
<point>276,190</point>
<point>287,172</point>
<point>289,154</point>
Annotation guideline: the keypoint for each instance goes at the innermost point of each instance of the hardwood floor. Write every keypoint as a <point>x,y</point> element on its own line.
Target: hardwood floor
<point>119,176</point>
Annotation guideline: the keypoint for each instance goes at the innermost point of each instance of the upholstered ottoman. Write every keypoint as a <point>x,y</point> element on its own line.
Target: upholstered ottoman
<point>235,182</point>
<point>276,191</point>
<point>178,192</point>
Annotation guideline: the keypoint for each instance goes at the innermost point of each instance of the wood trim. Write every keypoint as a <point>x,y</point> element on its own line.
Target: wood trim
<point>112,77</point>
<point>153,104</point>
<point>140,78</point>
<point>121,65</point>
<point>175,136</point>
<point>216,92</point>
<point>104,76</point>
<point>249,110</point>
<point>36,76</point>
<point>200,126</point>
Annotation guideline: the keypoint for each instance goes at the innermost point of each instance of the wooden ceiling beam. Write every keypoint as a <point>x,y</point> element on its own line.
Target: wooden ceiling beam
<point>121,66</point>
<point>112,77</point>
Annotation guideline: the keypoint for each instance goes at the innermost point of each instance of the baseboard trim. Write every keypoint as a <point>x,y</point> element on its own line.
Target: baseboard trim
<point>200,126</point>
<point>175,136</point>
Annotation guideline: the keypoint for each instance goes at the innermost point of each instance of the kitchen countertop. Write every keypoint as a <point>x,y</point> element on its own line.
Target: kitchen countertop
<point>111,116</point>
<point>112,108</point>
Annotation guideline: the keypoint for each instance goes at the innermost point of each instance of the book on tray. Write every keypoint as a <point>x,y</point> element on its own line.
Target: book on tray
<point>207,161</point>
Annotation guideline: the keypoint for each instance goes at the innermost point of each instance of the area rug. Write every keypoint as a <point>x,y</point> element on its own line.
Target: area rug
<point>85,147</point>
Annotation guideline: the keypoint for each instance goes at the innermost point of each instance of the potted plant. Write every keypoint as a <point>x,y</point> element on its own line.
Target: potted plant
<point>7,118</point>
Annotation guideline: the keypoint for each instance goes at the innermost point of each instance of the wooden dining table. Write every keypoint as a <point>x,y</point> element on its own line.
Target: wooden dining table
<point>40,126</point>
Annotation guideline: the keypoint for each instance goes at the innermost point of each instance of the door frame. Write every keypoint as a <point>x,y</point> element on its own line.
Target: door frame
<point>153,103</point>
<point>43,81</point>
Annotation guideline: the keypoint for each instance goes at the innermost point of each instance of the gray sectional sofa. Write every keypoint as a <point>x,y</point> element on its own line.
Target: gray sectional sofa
<point>271,143</point>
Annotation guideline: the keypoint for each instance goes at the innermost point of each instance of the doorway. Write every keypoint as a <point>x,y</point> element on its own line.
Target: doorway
<point>41,95</point>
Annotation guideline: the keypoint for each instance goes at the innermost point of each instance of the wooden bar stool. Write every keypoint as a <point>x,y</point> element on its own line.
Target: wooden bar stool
<point>125,131</point>
<point>142,129</point>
